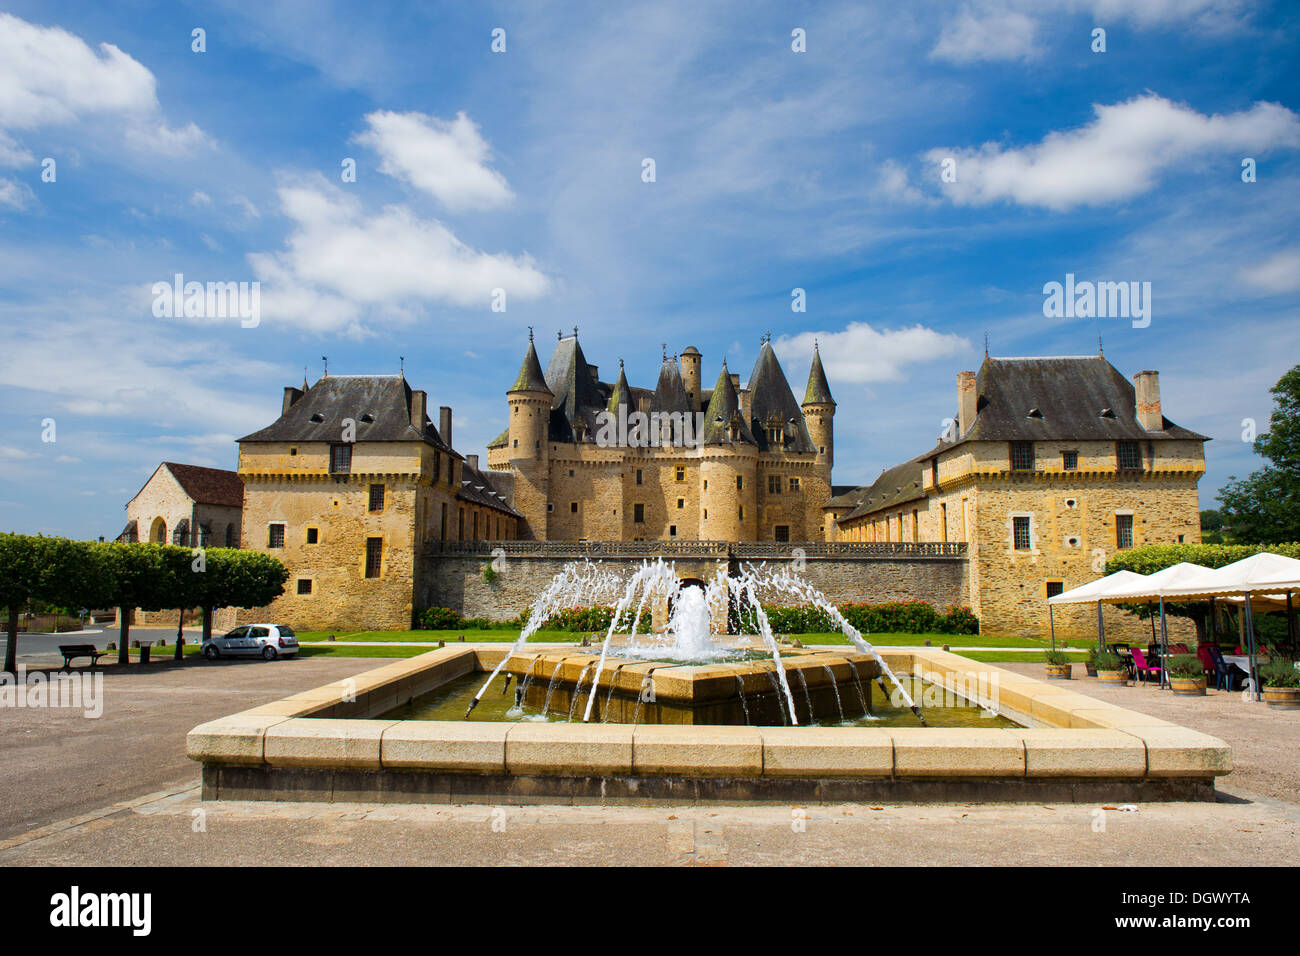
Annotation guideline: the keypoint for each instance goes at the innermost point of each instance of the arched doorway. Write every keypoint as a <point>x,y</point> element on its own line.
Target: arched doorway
<point>158,531</point>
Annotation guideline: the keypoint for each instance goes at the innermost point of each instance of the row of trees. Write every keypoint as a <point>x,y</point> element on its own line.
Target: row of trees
<point>152,577</point>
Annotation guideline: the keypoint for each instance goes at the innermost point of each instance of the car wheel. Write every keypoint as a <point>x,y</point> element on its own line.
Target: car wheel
<point>268,653</point>
<point>211,652</point>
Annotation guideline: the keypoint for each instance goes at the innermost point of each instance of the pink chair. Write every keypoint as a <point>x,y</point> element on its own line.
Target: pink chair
<point>1140,666</point>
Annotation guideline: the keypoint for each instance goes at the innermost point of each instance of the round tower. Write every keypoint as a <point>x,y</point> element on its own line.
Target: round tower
<point>819,414</point>
<point>526,441</point>
<point>690,363</point>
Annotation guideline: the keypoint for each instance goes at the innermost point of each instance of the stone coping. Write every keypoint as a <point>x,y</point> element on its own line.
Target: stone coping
<point>1067,736</point>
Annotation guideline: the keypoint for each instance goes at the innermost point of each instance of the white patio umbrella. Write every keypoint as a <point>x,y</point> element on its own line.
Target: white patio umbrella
<point>1155,587</point>
<point>1087,594</point>
<point>1262,573</point>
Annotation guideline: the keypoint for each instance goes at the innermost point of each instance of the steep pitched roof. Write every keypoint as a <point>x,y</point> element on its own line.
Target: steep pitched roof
<point>378,404</point>
<point>622,394</point>
<point>486,488</point>
<point>819,390</point>
<point>209,486</point>
<point>895,486</point>
<point>770,400</point>
<point>724,410</point>
<point>1068,398</point>
<point>530,378</point>
<point>670,393</point>
<point>577,395</point>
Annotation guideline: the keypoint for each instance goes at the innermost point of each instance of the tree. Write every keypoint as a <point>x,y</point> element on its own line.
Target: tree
<point>233,577</point>
<point>1266,506</point>
<point>56,570</point>
<point>138,576</point>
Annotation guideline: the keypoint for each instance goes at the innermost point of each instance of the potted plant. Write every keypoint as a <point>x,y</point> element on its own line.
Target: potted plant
<point>1187,675</point>
<point>1090,664</point>
<point>1281,683</point>
<point>1058,665</point>
<point>1111,669</point>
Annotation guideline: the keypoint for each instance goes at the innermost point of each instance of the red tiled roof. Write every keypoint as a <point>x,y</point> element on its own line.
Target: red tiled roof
<point>209,486</point>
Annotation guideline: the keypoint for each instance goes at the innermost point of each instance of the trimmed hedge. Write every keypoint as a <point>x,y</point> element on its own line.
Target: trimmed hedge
<point>903,617</point>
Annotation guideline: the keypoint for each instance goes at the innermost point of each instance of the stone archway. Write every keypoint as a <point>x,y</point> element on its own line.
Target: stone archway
<point>158,531</point>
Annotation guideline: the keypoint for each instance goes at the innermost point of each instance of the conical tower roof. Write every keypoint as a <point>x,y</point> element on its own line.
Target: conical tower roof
<point>670,393</point>
<point>530,377</point>
<point>819,390</point>
<point>724,409</point>
<point>771,401</point>
<point>622,394</point>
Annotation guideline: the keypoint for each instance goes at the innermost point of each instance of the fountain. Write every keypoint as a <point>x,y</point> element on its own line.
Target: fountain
<point>689,667</point>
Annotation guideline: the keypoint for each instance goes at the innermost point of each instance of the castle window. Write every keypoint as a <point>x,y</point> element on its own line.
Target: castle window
<point>1123,531</point>
<point>1054,588</point>
<point>376,497</point>
<point>304,585</point>
<point>638,476</point>
<point>1128,454</point>
<point>773,484</point>
<point>340,459</point>
<point>293,451</point>
<point>374,556</point>
<point>516,443</point>
<point>672,531</point>
<point>232,536</point>
<point>550,507</point>
<point>741,512</point>
<point>573,507</point>
<point>740,482</point>
<point>1020,533</point>
<point>313,535</point>
<point>570,472</point>
<point>1070,460</point>
<point>681,472</point>
<point>681,502</point>
<point>1022,456</point>
<point>706,484</point>
<point>638,514</point>
<point>781,532</point>
<point>275,536</point>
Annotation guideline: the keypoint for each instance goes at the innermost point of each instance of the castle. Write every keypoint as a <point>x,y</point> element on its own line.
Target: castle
<point>1049,466</point>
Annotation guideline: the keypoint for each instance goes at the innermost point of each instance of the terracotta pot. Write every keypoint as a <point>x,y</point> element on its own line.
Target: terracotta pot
<point>1188,686</point>
<point>1113,678</point>
<point>1282,698</point>
<point>1058,671</point>
<point>1090,670</point>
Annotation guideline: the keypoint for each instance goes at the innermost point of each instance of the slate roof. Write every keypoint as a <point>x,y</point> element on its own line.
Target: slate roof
<point>768,399</point>
<point>819,390</point>
<point>670,393</point>
<point>895,486</point>
<point>379,404</point>
<point>530,378</point>
<point>209,486</point>
<point>724,410</point>
<point>1069,393</point>
<point>486,488</point>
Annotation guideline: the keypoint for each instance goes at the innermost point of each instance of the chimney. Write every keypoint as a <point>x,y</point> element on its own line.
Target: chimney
<point>472,461</point>
<point>444,425</point>
<point>1149,415</point>
<point>967,402</point>
<point>291,395</point>
<point>419,406</point>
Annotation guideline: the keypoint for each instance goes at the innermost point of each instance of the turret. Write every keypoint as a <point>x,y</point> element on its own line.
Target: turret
<point>690,363</point>
<point>819,412</point>
<point>526,440</point>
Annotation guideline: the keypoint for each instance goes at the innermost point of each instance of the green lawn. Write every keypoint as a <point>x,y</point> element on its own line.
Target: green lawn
<point>1007,656</point>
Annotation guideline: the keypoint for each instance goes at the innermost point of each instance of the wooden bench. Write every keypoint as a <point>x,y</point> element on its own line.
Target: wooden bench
<point>71,652</point>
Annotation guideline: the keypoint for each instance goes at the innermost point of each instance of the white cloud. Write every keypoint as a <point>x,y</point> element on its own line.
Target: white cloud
<point>200,198</point>
<point>446,159</point>
<point>343,265</point>
<point>861,354</point>
<point>1120,154</point>
<point>1003,30</point>
<point>1278,273</point>
<point>51,77</point>
<point>893,184</point>
<point>15,454</point>
<point>15,194</point>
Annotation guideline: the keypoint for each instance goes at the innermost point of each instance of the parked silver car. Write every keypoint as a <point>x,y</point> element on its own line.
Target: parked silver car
<point>268,641</point>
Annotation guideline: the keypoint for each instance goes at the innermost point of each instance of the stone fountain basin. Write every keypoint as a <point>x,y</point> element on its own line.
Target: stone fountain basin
<point>327,744</point>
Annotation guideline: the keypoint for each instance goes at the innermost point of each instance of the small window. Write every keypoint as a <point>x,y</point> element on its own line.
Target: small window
<point>550,507</point>
<point>275,536</point>
<point>740,482</point>
<point>1054,588</point>
<point>1070,460</point>
<point>340,459</point>
<point>638,476</point>
<point>304,585</point>
<point>573,507</point>
<point>781,532</point>
<point>672,531</point>
<point>794,484</point>
<point>374,556</point>
<point>741,512</point>
<point>681,502</point>
<point>570,472</point>
<point>1020,533</point>
<point>773,484</point>
<point>293,451</point>
<point>681,472</point>
<point>1123,531</point>
<point>1128,454</point>
<point>313,536</point>
<point>376,497</point>
<point>1022,456</point>
<point>638,514</point>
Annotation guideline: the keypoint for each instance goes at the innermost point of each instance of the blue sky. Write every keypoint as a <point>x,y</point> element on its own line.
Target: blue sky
<point>522,170</point>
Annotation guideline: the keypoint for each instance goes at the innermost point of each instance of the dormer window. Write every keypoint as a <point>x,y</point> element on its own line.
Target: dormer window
<point>1035,413</point>
<point>1107,413</point>
<point>317,417</point>
<point>368,418</point>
